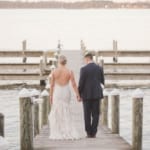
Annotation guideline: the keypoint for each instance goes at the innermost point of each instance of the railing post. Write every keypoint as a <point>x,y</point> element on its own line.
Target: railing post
<point>83,47</point>
<point>1,124</point>
<point>41,66</point>
<point>115,111</point>
<point>101,62</point>
<point>104,109</point>
<point>137,125</point>
<point>56,58</point>
<point>26,124</point>
<point>45,107</point>
<point>115,49</point>
<point>40,101</point>
<point>48,90</point>
<point>96,57</point>
<point>24,47</point>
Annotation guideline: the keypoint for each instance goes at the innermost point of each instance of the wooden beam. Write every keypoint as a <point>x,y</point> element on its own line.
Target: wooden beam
<point>127,65</point>
<point>27,53</point>
<point>19,66</point>
<point>127,76</point>
<point>22,76</point>
<point>108,75</point>
<point>123,53</point>
<point>106,65</point>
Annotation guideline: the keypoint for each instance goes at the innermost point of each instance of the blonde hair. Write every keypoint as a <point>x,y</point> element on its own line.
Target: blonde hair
<point>62,60</point>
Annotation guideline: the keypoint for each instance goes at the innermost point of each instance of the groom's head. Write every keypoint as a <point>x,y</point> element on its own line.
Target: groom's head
<point>88,57</point>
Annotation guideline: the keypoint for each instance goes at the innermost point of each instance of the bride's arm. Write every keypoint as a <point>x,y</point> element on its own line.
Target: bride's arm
<point>52,83</point>
<point>74,85</point>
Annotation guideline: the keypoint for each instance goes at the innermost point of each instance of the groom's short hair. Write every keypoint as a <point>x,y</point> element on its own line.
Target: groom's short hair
<point>88,55</point>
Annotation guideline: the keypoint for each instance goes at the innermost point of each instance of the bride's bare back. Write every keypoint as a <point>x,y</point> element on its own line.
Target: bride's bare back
<point>62,76</point>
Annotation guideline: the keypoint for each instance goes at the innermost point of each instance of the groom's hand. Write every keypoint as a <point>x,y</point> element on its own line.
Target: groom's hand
<point>79,99</point>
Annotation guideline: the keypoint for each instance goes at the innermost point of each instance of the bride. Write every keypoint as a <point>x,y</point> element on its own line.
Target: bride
<point>60,119</point>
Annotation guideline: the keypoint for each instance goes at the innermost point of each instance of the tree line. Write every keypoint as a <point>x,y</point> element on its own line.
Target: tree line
<point>73,5</point>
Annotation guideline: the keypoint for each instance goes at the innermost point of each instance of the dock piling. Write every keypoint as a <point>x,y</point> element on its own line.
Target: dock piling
<point>45,107</point>
<point>115,112</point>
<point>36,117</point>
<point>137,125</point>
<point>26,124</point>
<point>35,95</point>
<point>1,124</point>
<point>104,110</point>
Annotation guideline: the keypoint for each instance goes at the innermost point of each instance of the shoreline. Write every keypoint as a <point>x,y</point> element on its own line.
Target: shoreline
<point>107,4</point>
<point>91,8</point>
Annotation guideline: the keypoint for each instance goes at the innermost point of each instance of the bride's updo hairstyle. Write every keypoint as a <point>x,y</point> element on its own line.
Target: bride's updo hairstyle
<point>62,60</point>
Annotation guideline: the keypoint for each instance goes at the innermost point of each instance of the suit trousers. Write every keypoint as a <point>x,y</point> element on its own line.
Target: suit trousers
<point>91,115</point>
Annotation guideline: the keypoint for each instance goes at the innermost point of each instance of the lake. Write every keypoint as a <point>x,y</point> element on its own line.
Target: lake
<point>43,28</point>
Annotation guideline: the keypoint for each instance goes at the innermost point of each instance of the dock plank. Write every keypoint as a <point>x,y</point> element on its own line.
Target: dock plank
<point>105,141</point>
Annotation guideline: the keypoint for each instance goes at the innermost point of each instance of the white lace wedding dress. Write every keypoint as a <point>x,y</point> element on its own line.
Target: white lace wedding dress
<point>60,119</point>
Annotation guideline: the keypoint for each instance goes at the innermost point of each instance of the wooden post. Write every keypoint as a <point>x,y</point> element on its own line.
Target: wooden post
<point>115,48</point>
<point>40,101</point>
<point>104,110</point>
<point>45,59</point>
<point>45,107</point>
<point>24,59</point>
<point>26,124</point>
<point>36,117</point>
<point>137,125</point>
<point>48,90</point>
<point>56,58</point>
<point>115,112</point>
<point>24,45</point>
<point>35,95</point>
<point>83,47</point>
<point>1,124</point>
<point>101,62</point>
<point>96,57</point>
<point>41,66</point>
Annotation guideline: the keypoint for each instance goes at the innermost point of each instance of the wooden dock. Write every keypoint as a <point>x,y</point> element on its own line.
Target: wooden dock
<point>114,71</point>
<point>105,139</point>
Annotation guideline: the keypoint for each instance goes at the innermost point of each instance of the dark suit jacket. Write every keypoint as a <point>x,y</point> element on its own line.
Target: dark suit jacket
<point>91,77</point>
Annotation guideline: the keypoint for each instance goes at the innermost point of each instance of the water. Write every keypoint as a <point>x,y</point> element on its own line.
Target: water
<point>43,28</point>
<point>9,105</point>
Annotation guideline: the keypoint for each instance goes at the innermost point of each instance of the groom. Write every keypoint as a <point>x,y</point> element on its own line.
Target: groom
<point>91,78</point>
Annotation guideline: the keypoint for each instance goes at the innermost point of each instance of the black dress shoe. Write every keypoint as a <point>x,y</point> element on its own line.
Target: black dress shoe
<point>93,136</point>
<point>88,136</point>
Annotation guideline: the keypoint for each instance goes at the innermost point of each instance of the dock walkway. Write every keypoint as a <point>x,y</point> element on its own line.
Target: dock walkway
<point>105,139</point>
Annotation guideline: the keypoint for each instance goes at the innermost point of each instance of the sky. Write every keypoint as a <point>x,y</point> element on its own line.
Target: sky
<point>80,0</point>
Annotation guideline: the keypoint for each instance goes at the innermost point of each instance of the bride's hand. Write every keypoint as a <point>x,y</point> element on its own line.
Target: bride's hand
<point>51,100</point>
<point>78,98</point>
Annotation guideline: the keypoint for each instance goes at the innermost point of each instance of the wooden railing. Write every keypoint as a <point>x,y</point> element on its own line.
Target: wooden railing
<point>137,115</point>
<point>123,70</point>
<point>24,70</point>
<point>34,110</point>
<point>35,107</point>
